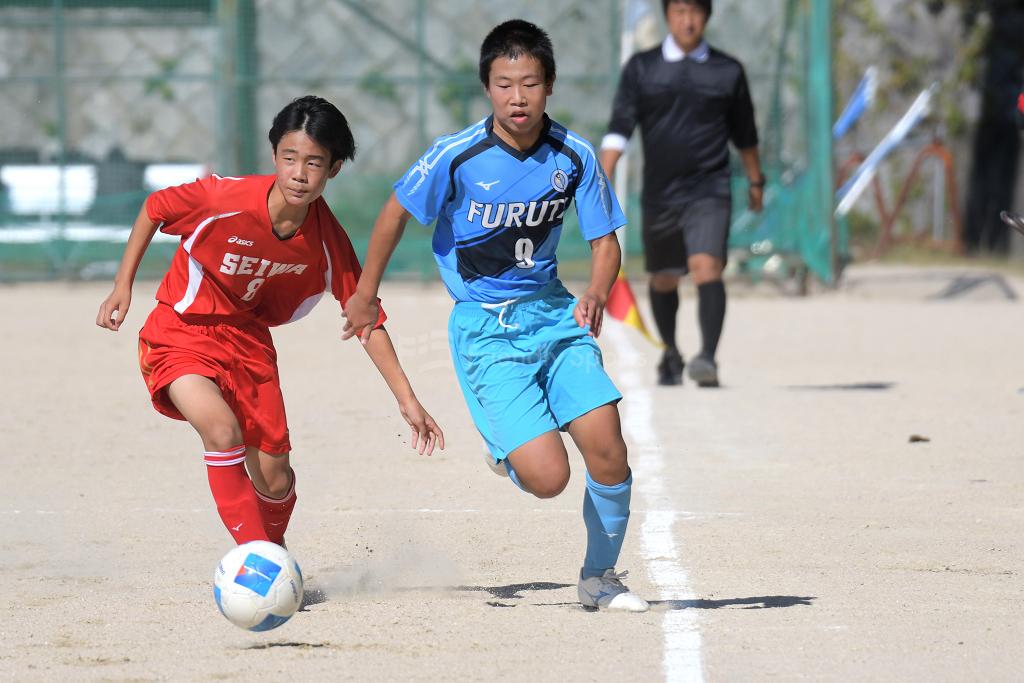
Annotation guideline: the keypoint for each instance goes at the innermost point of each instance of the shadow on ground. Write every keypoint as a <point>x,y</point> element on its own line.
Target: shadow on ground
<point>301,646</point>
<point>967,283</point>
<point>854,386</point>
<point>762,602</point>
<point>950,284</point>
<point>512,591</point>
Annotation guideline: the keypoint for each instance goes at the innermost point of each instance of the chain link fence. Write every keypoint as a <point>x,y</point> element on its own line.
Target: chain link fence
<point>105,101</point>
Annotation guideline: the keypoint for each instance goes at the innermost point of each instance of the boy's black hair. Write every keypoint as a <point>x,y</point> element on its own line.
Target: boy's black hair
<point>513,39</point>
<point>703,4</point>
<point>320,120</point>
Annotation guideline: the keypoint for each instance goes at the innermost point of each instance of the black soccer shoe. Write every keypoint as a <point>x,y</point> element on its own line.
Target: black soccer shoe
<point>670,369</point>
<point>704,372</point>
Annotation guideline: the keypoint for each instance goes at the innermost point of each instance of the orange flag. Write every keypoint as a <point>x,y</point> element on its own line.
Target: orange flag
<point>622,306</point>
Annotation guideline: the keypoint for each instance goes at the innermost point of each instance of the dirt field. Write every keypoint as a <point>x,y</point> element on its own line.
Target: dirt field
<point>784,526</point>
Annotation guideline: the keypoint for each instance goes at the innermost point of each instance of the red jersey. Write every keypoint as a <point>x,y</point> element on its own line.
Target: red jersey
<point>230,263</point>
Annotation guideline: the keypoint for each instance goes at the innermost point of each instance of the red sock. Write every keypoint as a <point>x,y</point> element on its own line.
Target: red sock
<point>276,512</point>
<point>235,497</point>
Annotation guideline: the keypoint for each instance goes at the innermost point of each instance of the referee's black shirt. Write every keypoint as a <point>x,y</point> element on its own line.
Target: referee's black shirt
<point>688,111</point>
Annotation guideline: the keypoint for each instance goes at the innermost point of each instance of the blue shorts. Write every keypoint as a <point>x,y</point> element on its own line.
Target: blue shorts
<point>526,367</point>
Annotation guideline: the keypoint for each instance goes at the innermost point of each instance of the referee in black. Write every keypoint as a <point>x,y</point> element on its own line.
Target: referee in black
<point>689,100</point>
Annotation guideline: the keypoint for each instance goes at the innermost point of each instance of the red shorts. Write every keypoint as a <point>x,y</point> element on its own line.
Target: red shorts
<point>240,357</point>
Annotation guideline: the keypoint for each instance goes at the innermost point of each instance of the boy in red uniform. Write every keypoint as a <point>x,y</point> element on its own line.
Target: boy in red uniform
<point>256,252</point>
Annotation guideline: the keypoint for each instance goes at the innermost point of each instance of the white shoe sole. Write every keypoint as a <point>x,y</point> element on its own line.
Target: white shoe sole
<point>627,602</point>
<point>623,602</point>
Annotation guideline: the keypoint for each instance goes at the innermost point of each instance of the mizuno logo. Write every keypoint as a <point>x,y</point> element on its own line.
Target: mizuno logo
<point>423,168</point>
<point>488,186</point>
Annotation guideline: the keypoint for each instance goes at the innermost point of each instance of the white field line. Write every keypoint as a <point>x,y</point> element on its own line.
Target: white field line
<point>682,659</point>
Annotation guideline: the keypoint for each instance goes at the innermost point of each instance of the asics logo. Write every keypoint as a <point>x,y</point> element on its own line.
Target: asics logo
<point>236,528</point>
<point>488,186</point>
<point>234,239</point>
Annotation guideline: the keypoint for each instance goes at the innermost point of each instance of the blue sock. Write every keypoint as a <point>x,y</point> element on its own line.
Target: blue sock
<point>606,513</point>
<point>513,476</point>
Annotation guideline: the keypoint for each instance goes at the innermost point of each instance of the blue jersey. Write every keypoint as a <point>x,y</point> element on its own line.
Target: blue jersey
<point>499,210</point>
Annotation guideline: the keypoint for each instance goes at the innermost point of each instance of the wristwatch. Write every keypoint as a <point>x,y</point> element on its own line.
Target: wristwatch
<point>758,183</point>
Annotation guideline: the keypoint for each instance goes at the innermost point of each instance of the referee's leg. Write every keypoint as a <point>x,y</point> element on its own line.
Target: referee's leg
<point>665,261</point>
<point>706,271</point>
<point>664,292</point>
<point>706,228</point>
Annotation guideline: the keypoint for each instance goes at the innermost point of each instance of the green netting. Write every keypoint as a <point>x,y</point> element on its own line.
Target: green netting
<point>796,226</point>
<point>126,95</point>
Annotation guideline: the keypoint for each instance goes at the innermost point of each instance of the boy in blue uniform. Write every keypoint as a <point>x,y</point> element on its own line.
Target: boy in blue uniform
<point>523,347</point>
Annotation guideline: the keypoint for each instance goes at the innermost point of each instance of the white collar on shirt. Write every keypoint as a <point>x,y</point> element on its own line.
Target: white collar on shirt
<point>673,53</point>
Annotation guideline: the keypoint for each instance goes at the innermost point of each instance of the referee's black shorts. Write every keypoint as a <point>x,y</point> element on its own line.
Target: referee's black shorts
<point>673,234</point>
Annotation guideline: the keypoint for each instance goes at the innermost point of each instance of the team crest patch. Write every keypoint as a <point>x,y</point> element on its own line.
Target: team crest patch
<point>559,180</point>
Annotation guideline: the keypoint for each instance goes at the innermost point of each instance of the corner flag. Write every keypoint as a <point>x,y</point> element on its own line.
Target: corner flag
<point>622,306</point>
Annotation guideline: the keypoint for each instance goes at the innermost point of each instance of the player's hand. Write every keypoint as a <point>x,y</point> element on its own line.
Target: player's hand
<point>425,432</point>
<point>755,199</point>
<point>361,315</point>
<point>114,308</point>
<point>590,311</point>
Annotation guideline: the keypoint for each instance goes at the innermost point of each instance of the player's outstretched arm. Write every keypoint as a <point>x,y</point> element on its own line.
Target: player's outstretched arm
<point>425,432</point>
<point>361,309</point>
<point>115,307</point>
<point>605,260</point>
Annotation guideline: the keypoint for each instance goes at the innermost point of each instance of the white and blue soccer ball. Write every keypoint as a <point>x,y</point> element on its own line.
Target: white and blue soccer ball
<point>258,586</point>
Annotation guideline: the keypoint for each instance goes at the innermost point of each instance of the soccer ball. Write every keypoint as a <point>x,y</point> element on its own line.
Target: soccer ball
<point>258,586</point>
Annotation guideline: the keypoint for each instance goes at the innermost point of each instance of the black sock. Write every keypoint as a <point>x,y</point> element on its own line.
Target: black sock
<point>711,314</point>
<point>664,305</point>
